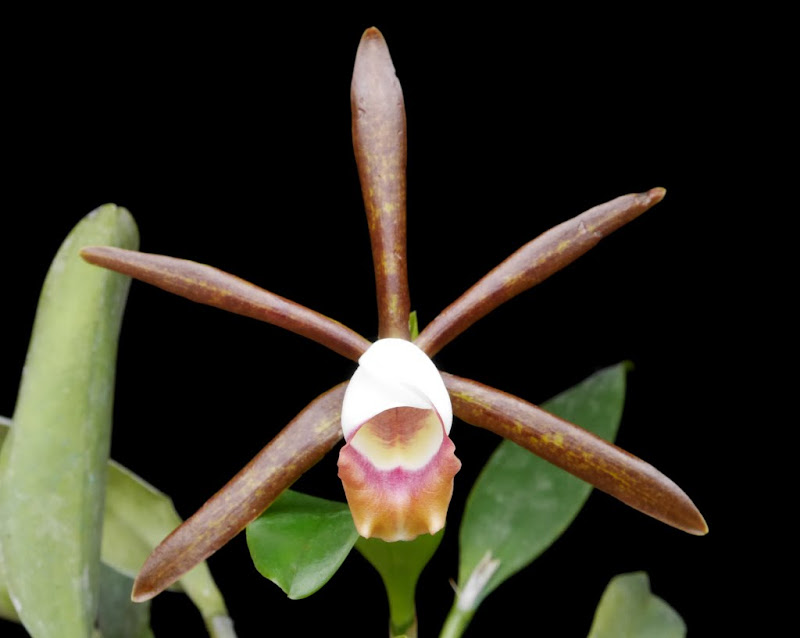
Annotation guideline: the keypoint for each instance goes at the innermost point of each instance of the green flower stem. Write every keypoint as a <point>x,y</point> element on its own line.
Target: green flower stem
<point>400,564</point>
<point>456,622</point>
<point>402,610</point>
<point>400,586</point>
<point>221,627</point>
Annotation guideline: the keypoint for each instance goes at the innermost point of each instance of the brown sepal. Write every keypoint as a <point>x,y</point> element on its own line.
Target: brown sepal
<point>577,451</point>
<point>533,263</point>
<point>214,287</point>
<point>379,141</point>
<point>292,452</point>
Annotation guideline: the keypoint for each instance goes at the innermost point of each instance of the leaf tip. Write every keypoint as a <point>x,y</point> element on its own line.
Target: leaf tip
<point>700,527</point>
<point>656,194</point>
<point>141,592</point>
<point>684,515</point>
<point>93,254</point>
<point>372,56</point>
<point>372,33</point>
<point>628,366</point>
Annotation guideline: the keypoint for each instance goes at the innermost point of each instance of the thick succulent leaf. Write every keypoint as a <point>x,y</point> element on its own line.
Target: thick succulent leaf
<point>135,519</point>
<point>379,141</point>
<point>213,287</point>
<point>309,436</point>
<point>629,610</point>
<point>520,503</point>
<point>532,264</point>
<point>301,541</point>
<point>7,610</point>
<point>54,460</point>
<point>117,615</point>
<point>400,565</point>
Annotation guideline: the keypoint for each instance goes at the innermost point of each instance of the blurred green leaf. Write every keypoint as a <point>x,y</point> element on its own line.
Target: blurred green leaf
<point>7,610</point>
<point>520,503</point>
<point>117,615</point>
<point>400,564</point>
<point>628,610</point>
<point>136,518</point>
<point>300,542</point>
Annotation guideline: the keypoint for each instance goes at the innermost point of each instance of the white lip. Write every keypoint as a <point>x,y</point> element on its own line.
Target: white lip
<point>393,373</point>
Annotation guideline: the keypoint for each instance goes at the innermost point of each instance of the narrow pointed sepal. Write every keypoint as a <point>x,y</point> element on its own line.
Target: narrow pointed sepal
<point>579,452</point>
<point>379,141</point>
<point>213,287</point>
<point>533,263</point>
<point>398,465</point>
<point>293,451</point>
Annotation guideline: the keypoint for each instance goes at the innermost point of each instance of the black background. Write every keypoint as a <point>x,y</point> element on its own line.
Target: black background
<point>229,141</point>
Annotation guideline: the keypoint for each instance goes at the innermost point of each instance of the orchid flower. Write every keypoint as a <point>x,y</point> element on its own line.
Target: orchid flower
<point>398,465</point>
<point>398,462</point>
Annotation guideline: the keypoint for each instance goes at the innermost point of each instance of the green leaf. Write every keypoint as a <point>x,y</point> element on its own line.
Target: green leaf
<point>521,504</point>
<point>300,542</point>
<point>117,615</point>
<point>7,610</point>
<point>54,460</point>
<point>400,564</point>
<point>136,518</point>
<point>628,610</point>
<point>5,423</point>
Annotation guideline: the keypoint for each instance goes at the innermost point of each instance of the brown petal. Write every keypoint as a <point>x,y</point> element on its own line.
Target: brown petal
<point>214,287</point>
<point>577,451</point>
<point>532,264</point>
<point>379,140</point>
<point>294,450</point>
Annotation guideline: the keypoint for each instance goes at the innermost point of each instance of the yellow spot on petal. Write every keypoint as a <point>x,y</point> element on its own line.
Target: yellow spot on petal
<point>400,438</point>
<point>556,439</point>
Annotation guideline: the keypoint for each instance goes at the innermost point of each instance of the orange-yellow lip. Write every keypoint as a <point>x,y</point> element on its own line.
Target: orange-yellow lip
<point>398,464</point>
<point>397,471</point>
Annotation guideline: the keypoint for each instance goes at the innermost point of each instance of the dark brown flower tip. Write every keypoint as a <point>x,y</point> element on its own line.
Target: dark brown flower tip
<point>532,264</point>
<point>379,141</point>
<point>577,451</point>
<point>214,287</point>
<point>292,452</point>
